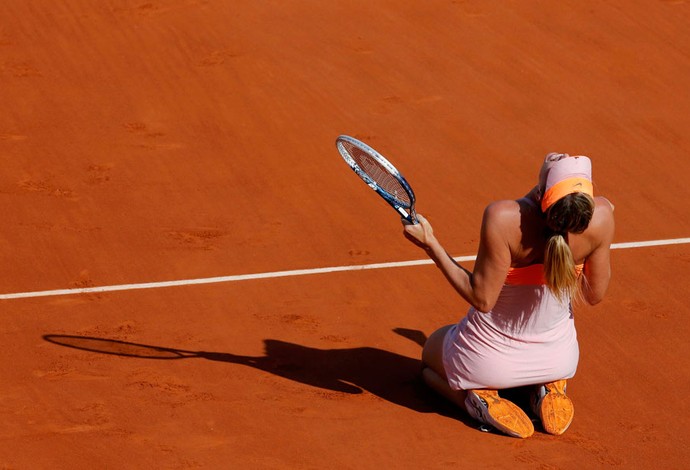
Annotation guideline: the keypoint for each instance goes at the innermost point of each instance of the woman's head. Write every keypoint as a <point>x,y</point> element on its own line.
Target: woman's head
<point>567,202</point>
<point>570,214</point>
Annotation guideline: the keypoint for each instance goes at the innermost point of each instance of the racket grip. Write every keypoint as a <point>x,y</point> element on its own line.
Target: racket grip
<point>413,217</point>
<point>410,220</point>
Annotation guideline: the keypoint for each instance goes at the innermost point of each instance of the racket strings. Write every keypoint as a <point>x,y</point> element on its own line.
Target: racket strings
<point>380,175</point>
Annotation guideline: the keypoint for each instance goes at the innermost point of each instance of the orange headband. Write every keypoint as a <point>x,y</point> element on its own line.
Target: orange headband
<point>565,187</point>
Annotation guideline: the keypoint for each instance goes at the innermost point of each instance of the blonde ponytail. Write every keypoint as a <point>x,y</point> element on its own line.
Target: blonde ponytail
<point>559,268</point>
<point>570,214</point>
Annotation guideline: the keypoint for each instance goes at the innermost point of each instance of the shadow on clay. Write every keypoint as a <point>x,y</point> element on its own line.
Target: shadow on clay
<point>388,375</point>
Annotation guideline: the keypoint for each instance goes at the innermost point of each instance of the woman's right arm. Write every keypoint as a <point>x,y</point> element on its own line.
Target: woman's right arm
<point>482,286</point>
<point>597,268</point>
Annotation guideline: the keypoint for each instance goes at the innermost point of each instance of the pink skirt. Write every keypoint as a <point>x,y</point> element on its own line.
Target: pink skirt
<point>528,338</point>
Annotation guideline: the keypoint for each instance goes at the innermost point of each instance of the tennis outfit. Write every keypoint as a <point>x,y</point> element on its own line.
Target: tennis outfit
<point>527,338</point>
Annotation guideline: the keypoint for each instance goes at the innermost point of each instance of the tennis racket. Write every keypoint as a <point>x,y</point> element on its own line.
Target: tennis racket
<point>379,174</point>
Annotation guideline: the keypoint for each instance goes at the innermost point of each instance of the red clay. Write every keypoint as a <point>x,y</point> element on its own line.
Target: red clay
<point>162,140</point>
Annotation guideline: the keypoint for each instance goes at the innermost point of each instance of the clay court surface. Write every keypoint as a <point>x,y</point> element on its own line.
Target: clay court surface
<point>148,141</point>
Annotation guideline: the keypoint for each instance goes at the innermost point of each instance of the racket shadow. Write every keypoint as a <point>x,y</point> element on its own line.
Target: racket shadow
<point>390,376</point>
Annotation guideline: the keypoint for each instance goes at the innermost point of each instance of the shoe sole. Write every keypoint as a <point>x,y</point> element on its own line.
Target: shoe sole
<point>557,412</point>
<point>505,415</point>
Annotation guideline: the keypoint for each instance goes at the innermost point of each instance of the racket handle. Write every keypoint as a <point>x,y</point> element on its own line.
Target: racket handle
<point>410,220</point>
<point>413,217</point>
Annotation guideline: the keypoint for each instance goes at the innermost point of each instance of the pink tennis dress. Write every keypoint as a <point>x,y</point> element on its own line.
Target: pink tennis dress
<point>527,338</point>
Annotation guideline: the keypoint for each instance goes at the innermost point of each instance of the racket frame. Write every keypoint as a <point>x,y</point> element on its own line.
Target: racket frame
<point>406,211</point>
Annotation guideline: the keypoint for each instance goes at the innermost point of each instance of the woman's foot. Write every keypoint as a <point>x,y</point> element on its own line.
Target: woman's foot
<point>554,407</point>
<point>487,407</point>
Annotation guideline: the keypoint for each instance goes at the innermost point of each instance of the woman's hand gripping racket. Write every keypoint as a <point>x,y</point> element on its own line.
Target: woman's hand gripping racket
<point>379,174</point>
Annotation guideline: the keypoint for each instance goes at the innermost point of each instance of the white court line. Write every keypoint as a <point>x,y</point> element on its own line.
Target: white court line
<point>296,272</point>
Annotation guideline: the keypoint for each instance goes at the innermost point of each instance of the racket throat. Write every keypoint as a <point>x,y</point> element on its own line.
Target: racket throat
<point>403,212</point>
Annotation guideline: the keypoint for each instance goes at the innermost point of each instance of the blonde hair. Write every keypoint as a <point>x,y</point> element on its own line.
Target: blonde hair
<point>570,214</point>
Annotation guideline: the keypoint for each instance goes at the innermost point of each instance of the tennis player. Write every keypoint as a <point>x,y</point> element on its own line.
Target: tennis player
<point>537,256</point>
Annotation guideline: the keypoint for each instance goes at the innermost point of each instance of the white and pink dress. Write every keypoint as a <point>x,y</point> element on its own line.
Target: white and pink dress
<point>527,338</point>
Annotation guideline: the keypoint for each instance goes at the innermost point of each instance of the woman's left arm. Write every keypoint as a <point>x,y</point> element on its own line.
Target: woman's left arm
<point>482,286</point>
<point>597,269</point>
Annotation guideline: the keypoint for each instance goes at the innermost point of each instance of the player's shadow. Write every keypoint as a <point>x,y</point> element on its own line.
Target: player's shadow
<point>390,376</point>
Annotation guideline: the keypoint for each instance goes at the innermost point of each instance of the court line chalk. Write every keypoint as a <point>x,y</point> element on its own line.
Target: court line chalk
<point>295,272</point>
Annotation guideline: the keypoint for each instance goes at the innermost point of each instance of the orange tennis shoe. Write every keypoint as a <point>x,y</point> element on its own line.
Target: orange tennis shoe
<point>554,407</point>
<point>487,407</point>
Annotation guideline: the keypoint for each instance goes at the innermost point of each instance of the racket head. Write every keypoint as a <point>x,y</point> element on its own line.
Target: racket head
<point>379,174</point>
<point>118,348</point>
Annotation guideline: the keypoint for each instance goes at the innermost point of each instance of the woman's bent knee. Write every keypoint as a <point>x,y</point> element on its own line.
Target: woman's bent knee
<point>440,385</point>
<point>432,354</point>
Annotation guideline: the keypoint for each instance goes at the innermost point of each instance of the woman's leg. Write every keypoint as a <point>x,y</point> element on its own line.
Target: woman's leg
<point>434,373</point>
<point>488,406</point>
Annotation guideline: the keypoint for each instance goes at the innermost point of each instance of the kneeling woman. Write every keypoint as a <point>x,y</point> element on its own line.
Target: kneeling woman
<point>536,256</point>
